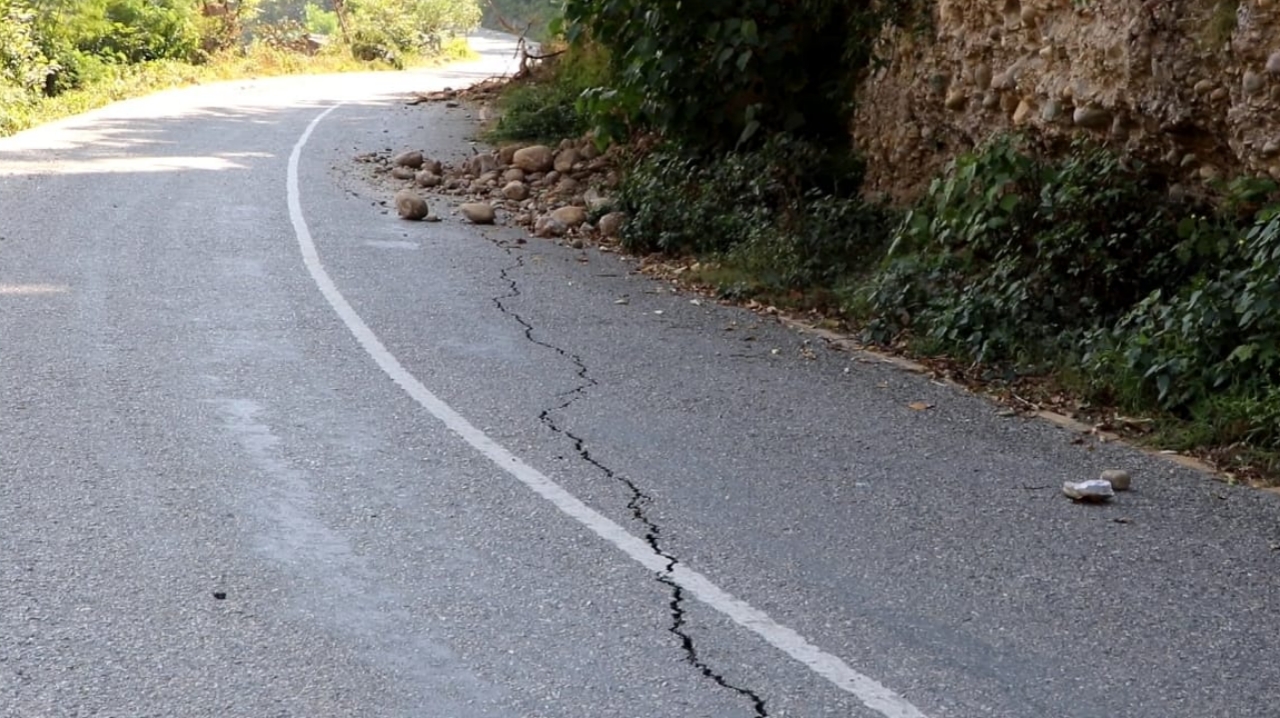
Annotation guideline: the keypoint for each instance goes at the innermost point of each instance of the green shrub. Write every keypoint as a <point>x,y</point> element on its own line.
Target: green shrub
<point>393,30</point>
<point>77,69</point>
<point>226,28</point>
<point>787,214</point>
<point>721,73</point>
<point>539,112</point>
<point>284,35</point>
<point>822,242</point>
<point>120,31</point>
<point>1011,258</point>
<point>1239,417</point>
<point>1083,265</point>
<point>134,31</point>
<point>24,67</point>
<point>546,106</point>
<point>1218,333</point>
<point>81,39</point>
<point>678,202</point>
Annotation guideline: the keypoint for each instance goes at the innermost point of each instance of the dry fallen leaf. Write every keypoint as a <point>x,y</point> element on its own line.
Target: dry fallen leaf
<point>919,406</point>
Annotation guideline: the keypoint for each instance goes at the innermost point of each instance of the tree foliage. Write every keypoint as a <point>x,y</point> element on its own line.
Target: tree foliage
<point>23,64</point>
<point>48,47</point>
<point>727,72</point>
<point>320,20</point>
<point>130,31</point>
<point>391,29</point>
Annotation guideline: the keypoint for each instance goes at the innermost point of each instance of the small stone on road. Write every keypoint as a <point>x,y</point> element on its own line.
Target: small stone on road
<point>1118,478</point>
<point>410,206</point>
<point>477,212</point>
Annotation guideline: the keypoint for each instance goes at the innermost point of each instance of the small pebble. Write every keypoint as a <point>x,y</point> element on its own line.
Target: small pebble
<point>1118,478</point>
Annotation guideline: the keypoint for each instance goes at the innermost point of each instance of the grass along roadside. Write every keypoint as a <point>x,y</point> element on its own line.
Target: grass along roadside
<point>127,81</point>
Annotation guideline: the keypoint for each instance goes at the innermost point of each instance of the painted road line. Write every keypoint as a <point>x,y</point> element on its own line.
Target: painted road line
<point>871,693</point>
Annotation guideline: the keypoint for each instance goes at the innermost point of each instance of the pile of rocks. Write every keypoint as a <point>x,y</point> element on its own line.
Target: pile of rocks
<point>550,192</point>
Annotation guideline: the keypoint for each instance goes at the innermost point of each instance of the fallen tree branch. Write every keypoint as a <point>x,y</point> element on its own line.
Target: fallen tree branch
<point>544,57</point>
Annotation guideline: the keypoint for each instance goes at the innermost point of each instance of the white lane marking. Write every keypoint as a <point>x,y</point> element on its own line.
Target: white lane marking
<point>873,695</point>
<point>390,244</point>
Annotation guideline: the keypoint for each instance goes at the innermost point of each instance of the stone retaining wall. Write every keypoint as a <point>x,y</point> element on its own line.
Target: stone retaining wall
<point>1193,85</point>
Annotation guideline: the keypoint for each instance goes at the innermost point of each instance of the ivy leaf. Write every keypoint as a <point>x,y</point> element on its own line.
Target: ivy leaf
<point>1243,353</point>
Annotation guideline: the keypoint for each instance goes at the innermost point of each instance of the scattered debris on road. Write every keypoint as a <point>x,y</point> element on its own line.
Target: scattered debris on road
<point>1091,491</point>
<point>560,192</point>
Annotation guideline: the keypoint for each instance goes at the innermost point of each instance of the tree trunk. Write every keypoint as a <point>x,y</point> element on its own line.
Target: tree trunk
<point>340,7</point>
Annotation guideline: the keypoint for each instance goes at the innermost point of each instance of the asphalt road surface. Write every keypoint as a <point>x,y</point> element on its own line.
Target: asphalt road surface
<point>267,451</point>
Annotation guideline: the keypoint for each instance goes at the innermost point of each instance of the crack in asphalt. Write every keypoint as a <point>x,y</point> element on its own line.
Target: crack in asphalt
<point>639,499</point>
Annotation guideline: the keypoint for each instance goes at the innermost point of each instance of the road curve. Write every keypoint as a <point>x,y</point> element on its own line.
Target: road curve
<point>267,451</point>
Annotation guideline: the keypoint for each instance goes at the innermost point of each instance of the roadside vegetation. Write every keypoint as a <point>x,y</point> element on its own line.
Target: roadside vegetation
<point>60,57</point>
<point>1070,279</point>
<point>530,18</point>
